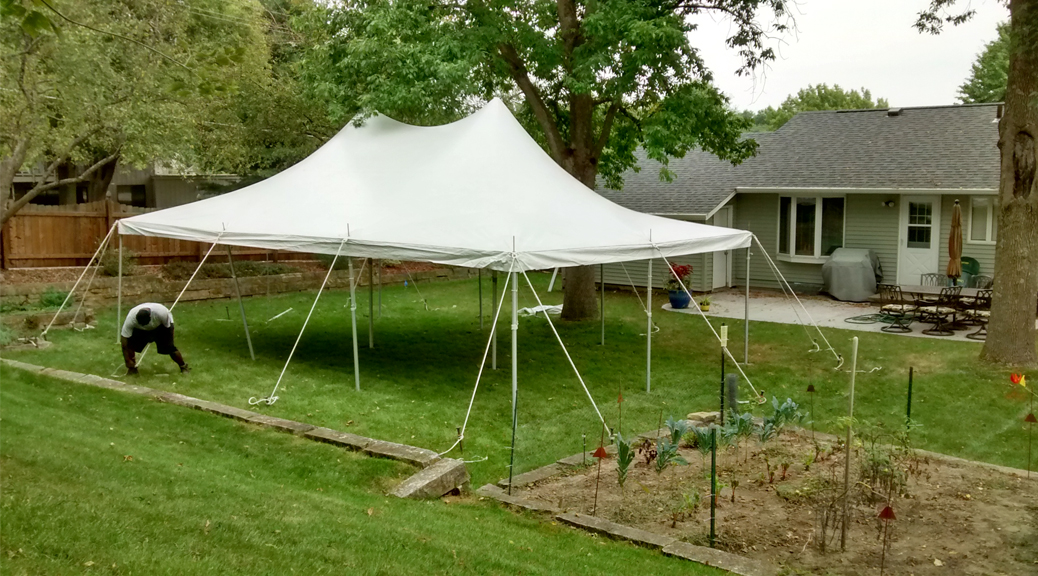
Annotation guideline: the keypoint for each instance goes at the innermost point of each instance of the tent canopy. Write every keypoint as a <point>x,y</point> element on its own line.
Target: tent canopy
<point>478,193</point>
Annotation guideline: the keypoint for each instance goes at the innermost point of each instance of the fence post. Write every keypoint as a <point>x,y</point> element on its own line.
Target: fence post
<point>5,245</point>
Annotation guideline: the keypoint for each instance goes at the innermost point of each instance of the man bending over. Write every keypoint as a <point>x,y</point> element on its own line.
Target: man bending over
<point>147,323</point>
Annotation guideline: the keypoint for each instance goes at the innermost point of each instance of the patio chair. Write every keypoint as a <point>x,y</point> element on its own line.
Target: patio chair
<point>894,305</point>
<point>980,313</point>
<point>981,281</point>
<point>933,279</point>
<point>939,312</point>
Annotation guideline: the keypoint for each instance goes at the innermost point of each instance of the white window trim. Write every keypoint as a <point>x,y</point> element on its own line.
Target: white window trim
<point>818,258</point>
<point>990,201</point>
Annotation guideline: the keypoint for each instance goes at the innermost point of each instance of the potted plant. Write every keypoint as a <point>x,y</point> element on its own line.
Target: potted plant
<point>704,304</point>
<point>679,275</point>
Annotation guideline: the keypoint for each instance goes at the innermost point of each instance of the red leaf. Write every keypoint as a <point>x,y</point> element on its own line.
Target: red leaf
<point>600,453</point>
<point>620,398</point>
<point>887,513</point>
<point>1030,418</point>
<point>1015,378</point>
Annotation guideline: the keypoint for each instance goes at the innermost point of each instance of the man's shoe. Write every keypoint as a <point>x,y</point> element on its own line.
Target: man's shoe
<point>185,369</point>
<point>132,371</point>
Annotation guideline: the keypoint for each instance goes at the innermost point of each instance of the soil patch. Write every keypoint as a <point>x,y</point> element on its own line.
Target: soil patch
<point>953,517</point>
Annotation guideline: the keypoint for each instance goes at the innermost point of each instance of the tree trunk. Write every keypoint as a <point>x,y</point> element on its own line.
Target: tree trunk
<point>579,300</point>
<point>9,167</point>
<point>1011,331</point>
<point>97,185</point>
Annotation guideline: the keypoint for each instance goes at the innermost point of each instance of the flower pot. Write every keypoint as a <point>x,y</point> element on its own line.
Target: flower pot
<point>704,307</point>
<point>679,299</point>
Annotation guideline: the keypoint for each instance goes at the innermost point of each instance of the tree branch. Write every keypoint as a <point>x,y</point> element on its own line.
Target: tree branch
<point>43,187</point>
<point>607,127</point>
<point>533,98</point>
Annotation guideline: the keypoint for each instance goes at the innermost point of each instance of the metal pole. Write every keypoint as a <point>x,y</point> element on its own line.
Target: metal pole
<point>241,305</point>
<point>119,295</point>
<point>908,416</point>
<point>724,337</point>
<point>847,447</point>
<point>493,329</point>
<point>371,303</point>
<point>379,287</point>
<point>648,333</point>
<point>353,317</point>
<point>713,484</point>
<point>479,274</point>
<point>746,321</point>
<point>515,371</point>
<point>601,280</point>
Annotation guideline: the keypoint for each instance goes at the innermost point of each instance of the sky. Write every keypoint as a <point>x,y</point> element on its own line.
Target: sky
<point>856,44</point>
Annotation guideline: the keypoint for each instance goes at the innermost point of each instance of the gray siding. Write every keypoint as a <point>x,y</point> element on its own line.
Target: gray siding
<point>870,224</point>
<point>638,271</point>
<point>758,213</point>
<point>984,253</point>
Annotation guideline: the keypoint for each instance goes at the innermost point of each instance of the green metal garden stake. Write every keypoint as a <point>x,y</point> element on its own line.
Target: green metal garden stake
<point>1030,419</point>
<point>908,415</point>
<point>713,484</point>
<point>811,391</point>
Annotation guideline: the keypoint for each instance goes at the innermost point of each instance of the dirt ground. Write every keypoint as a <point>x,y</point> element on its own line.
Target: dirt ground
<point>951,517</point>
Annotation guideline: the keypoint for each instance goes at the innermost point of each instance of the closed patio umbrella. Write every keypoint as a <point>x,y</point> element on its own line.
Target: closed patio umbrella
<point>955,244</point>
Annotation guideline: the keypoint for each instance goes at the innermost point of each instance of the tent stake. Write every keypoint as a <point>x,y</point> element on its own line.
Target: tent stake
<point>648,332</point>
<point>241,305</point>
<point>353,317</point>
<point>371,303</point>
<point>515,372</point>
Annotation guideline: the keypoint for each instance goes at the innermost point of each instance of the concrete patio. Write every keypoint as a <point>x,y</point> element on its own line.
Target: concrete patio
<point>773,306</point>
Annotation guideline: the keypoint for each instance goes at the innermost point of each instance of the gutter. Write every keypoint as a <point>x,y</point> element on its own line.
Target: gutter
<point>887,191</point>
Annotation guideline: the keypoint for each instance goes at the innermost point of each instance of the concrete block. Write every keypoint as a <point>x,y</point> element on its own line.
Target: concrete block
<point>225,410</point>
<point>410,454</point>
<point>281,424</point>
<point>343,439</point>
<point>576,460</point>
<point>492,491</point>
<point>179,399</point>
<point>443,476</point>
<point>718,559</point>
<point>618,531</point>
<point>22,365</point>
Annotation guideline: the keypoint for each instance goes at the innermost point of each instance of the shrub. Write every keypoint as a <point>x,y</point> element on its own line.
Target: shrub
<point>53,298</point>
<point>183,270</point>
<point>326,260</point>
<point>110,263</point>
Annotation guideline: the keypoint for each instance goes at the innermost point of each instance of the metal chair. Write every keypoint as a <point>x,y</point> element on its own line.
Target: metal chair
<point>939,312</point>
<point>980,313</point>
<point>893,304</point>
<point>933,279</point>
<point>981,281</point>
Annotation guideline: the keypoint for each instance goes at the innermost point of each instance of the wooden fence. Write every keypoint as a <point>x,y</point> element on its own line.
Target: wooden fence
<point>41,236</point>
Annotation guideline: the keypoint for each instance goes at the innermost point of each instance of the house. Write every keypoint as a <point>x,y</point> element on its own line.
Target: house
<point>883,179</point>
<point>155,186</point>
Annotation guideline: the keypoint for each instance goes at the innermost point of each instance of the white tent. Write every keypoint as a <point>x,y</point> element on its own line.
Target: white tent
<point>478,193</point>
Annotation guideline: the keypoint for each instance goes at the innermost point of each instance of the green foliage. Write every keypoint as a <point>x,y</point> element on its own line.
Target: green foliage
<point>178,270</point>
<point>766,431</point>
<point>702,439</point>
<point>736,426</point>
<point>786,413</point>
<point>667,454</point>
<point>110,263</point>
<point>592,85</point>
<point>6,335</point>
<point>820,97</point>
<point>678,428</point>
<point>341,263</point>
<point>53,298</point>
<point>624,457</point>
<point>989,75</point>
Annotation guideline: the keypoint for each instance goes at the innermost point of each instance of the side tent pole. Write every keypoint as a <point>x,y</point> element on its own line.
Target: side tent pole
<point>371,303</point>
<point>601,280</point>
<point>515,371</point>
<point>479,275</point>
<point>648,332</point>
<point>353,318</point>
<point>493,332</point>
<point>119,295</point>
<point>745,324</point>
<point>241,305</point>
<point>379,287</point>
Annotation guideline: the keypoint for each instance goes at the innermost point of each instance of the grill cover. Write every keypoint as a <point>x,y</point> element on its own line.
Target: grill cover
<point>851,274</point>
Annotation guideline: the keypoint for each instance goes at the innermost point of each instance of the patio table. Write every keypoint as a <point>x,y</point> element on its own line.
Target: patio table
<point>922,292</point>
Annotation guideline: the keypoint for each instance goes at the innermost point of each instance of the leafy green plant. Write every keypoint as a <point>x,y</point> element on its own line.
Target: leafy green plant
<point>667,454</point>
<point>702,439</point>
<point>678,428</point>
<point>53,298</point>
<point>786,413</point>
<point>766,431</point>
<point>624,457</point>
<point>110,263</point>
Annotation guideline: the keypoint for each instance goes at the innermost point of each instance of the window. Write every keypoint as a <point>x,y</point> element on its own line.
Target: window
<point>920,224</point>
<point>982,220</point>
<point>810,227</point>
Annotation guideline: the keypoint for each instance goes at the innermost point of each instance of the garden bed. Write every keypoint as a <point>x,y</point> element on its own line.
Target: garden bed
<point>952,517</point>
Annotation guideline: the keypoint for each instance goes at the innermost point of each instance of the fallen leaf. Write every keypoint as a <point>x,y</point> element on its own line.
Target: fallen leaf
<point>127,458</point>
<point>88,563</point>
<point>371,511</point>
<point>937,562</point>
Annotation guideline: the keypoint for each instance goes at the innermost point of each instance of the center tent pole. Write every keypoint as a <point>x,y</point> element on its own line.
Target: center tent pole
<point>353,318</point>
<point>371,303</point>
<point>648,332</point>
<point>241,305</point>
<point>119,295</point>
<point>515,370</point>
<point>746,322</point>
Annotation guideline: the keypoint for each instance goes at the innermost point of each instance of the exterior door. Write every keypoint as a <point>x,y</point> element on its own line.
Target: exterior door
<point>919,238</point>
<point>722,260</point>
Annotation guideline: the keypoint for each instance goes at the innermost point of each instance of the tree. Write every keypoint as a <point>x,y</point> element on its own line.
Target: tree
<point>592,80</point>
<point>820,97</point>
<point>1011,332</point>
<point>95,83</point>
<point>990,73</point>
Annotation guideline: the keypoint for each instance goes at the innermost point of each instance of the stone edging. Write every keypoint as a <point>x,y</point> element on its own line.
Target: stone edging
<point>446,473</point>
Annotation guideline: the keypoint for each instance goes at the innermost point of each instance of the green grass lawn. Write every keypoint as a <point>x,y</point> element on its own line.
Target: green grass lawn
<point>418,379</point>
<point>100,482</point>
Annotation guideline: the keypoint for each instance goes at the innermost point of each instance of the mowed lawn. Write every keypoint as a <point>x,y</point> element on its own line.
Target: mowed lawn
<point>99,482</point>
<point>417,381</point>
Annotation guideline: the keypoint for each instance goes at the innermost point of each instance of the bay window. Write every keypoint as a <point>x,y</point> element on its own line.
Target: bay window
<point>810,227</point>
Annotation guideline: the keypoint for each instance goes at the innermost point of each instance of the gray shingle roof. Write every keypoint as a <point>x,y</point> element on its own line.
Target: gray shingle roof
<point>946,147</point>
